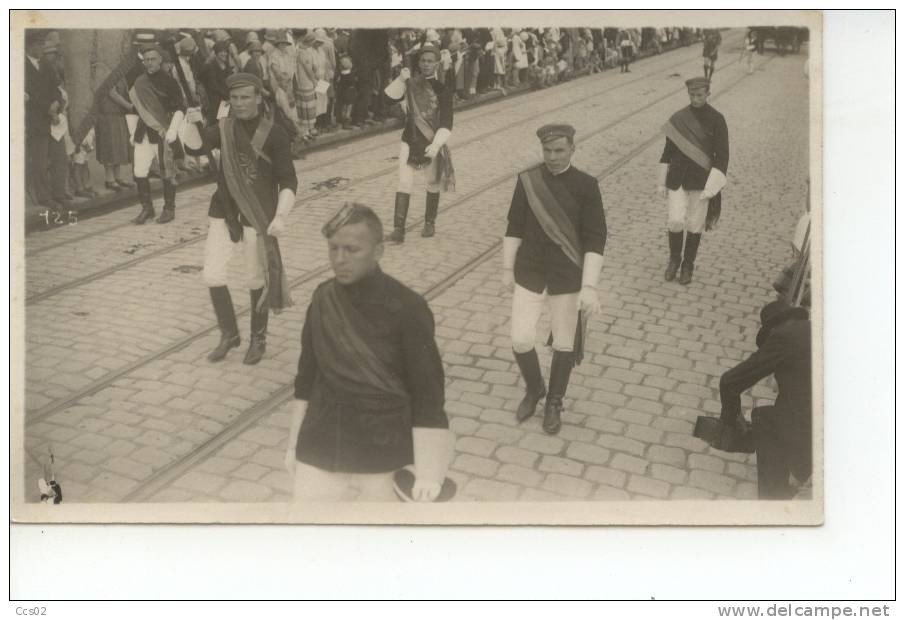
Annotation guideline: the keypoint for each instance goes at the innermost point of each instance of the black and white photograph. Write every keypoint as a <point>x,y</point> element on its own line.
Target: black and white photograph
<point>290,267</point>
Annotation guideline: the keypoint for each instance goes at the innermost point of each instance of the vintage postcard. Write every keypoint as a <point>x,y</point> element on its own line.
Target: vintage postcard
<point>405,267</point>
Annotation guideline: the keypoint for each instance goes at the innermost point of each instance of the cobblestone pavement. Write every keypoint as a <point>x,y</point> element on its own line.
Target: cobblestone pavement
<point>117,382</point>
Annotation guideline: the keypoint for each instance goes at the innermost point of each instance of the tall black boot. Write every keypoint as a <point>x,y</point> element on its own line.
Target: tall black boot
<point>258,342</point>
<point>559,381</point>
<point>169,203</point>
<point>144,196</point>
<point>692,241</point>
<point>675,255</point>
<point>432,205</point>
<point>226,321</point>
<point>400,213</point>
<point>529,365</point>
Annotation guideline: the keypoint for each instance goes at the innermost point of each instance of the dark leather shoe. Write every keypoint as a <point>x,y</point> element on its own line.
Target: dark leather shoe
<point>255,352</point>
<point>671,269</point>
<point>685,276</point>
<point>428,230</point>
<point>166,215</point>
<point>552,410</point>
<point>146,214</point>
<point>227,342</point>
<point>397,236</point>
<point>528,406</point>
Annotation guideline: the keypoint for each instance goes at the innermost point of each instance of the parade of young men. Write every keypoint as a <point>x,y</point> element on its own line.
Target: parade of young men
<point>552,253</point>
<point>691,176</point>
<point>158,101</point>
<point>428,126</point>
<point>255,193</point>
<point>369,392</point>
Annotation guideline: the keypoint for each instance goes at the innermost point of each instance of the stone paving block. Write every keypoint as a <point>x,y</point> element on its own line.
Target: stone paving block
<point>643,433</point>
<point>249,471</point>
<point>279,481</point>
<point>264,436</point>
<point>454,407</point>
<point>666,455</point>
<point>484,401</point>
<point>153,457</point>
<point>115,484</point>
<point>623,375</point>
<point>129,468</point>
<point>91,441</point>
<point>686,442</point>
<point>92,457</point>
<point>745,472</point>
<point>542,443</point>
<point>501,378</point>
<point>641,391</point>
<point>155,439</point>
<point>219,465</point>
<point>523,476</point>
<point>746,490</point>
<point>244,491</point>
<point>200,482</point>
<point>272,458</point>
<point>605,493</point>
<point>646,406</point>
<point>673,426</point>
<point>508,392</point>
<point>621,444</point>
<point>567,485</point>
<point>667,473</point>
<point>683,400</point>
<point>706,462</point>
<point>605,425</point>
<point>174,496</point>
<point>628,463</point>
<point>648,486</point>
<point>559,465</point>
<point>75,471</point>
<point>710,481</point>
<point>476,465</point>
<point>463,385</point>
<point>151,397</point>
<point>590,408</point>
<point>121,447</point>
<point>476,446</point>
<point>587,453</point>
<point>633,417</point>
<point>499,433</point>
<point>491,490</point>
<point>464,372</point>
<point>536,495</point>
<point>576,433</point>
<point>122,431</point>
<point>517,456</point>
<point>605,476</point>
<point>601,383</point>
<point>690,493</point>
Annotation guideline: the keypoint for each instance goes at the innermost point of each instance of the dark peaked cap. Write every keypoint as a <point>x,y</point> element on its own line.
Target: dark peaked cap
<point>697,82</point>
<point>554,131</point>
<point>238,80</point>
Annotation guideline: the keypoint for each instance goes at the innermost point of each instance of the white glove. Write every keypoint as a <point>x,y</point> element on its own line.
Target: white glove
<point>396,89</point>
<point>277,226</point>
<point>432,150</point>
<point>590,276</point>
<point>510,249</point>
<point>433,448</point>
<point>193,115</point>
<point>439,141</point>
<point>175,122</point>
<point>662,169</point>
<point>716,181</point>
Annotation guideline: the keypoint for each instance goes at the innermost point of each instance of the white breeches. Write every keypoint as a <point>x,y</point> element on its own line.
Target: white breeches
<point>144,155</point>
<point>318,485</point>
<point>407,173</point>
<point>219,248</point>
<point>686,211</point>
<point>526,310</point>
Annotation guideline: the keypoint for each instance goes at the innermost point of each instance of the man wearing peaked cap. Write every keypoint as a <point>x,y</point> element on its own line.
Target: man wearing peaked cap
<point>369,389</point>
<point>160,105</point>
<point>552,252</point>
<point>428,126</point>
<point>691,176</point>
<point>249,208</point>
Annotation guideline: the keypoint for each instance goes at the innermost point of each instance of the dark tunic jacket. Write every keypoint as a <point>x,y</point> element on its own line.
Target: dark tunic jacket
<point>171,98</point>
<point>540,263</point>
<point>343,436</point>
<point>412,136</point>
<point>280,170</point>
<point>685,173</point>
<point>41,86</point>
<point>786,354</point>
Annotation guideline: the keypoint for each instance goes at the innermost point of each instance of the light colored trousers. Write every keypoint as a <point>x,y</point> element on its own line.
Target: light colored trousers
<point>407,173</point>
<point>526,310</point>
<point>219,249</point>
<point>317,485</point>
<point>686,211</point>
<point>144,155</point>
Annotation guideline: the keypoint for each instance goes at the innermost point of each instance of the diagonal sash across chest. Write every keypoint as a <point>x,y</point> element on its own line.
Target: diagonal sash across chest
<point>347,358</point>
<point>550,203</point>
<point>687,133</point>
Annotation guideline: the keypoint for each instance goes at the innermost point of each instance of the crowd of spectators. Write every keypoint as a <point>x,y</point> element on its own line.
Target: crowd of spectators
<point>317,81</point>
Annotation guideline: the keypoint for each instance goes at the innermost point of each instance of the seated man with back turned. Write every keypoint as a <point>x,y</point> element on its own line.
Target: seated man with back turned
<point>369,389</point>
